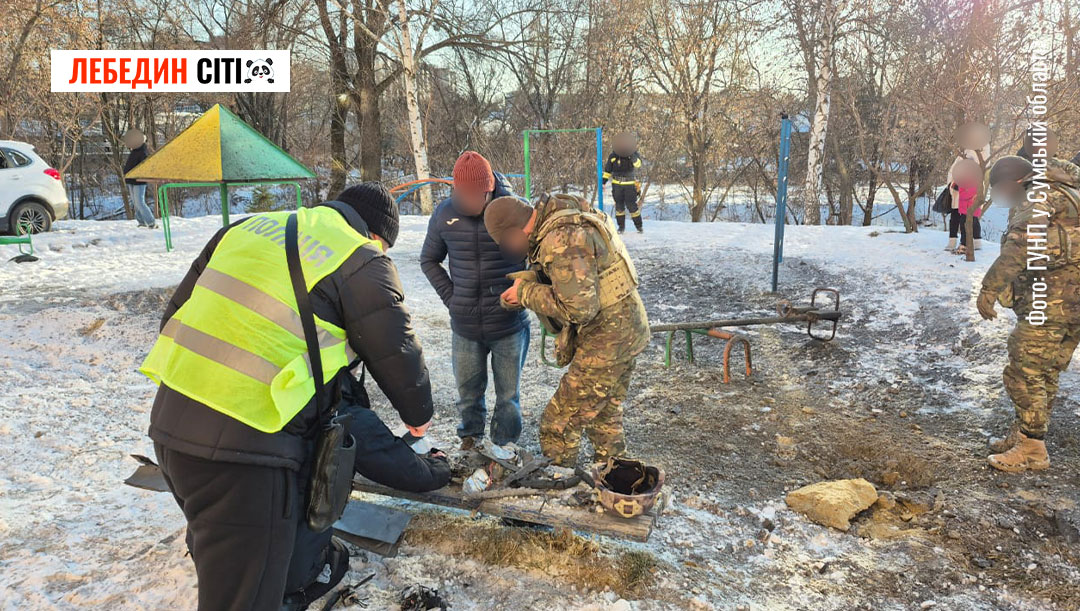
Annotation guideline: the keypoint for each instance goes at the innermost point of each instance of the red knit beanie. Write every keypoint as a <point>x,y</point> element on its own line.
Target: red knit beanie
<point>472,174</point>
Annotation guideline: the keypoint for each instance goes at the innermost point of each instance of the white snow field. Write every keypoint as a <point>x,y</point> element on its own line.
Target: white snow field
<point>73,406</point>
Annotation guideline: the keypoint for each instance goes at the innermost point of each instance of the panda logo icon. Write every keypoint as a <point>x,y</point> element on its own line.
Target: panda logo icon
<point>259,69</point>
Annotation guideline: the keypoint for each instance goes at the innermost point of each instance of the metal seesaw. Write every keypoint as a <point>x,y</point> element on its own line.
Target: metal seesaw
<point>786,313</point>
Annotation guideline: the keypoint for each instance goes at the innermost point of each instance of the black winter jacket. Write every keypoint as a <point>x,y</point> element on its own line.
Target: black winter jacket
<point>134,158</point>
<point>477,273</point>
<point>364,297</point>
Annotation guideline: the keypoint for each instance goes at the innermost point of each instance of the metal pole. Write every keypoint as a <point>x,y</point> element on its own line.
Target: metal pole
<point>600,167</point>
<point>528,170</point>
<point>163,206</point>
<point>781,196</point>
<point>224,205</point>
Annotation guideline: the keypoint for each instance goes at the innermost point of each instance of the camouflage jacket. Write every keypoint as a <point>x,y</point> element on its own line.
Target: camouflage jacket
<point>1009,276</point>
<point>572,254</point>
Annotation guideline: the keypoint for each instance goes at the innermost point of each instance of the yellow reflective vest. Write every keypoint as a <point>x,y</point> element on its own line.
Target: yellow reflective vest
<point>237,344</point>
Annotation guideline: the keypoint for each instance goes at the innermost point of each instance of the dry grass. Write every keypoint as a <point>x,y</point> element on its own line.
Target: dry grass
<point>563,555</point>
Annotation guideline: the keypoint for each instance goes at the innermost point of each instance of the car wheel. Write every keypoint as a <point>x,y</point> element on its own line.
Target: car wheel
<point>30,217</point>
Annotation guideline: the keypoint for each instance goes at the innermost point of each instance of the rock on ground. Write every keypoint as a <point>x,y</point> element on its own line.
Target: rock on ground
<point>833,503</point>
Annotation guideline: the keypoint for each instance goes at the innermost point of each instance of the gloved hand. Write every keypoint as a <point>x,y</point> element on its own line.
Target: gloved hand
<point>986,305</point>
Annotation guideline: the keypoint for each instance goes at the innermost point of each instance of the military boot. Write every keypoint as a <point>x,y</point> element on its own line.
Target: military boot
<point>999,445</point>
<point>1027,455</point>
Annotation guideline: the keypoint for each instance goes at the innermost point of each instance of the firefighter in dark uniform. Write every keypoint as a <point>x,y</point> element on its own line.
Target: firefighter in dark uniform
<point>619,168</point>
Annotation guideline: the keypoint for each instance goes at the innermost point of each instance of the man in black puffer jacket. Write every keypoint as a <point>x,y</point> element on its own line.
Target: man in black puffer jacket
<point>471,290</point>
<point>243,490</point>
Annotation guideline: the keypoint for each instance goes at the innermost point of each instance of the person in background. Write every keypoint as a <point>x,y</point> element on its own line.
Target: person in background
<point>620,168</point>
<point>135,140</point>
<point>982,154</point>
<point>470,290</point>
<point>965,186</point>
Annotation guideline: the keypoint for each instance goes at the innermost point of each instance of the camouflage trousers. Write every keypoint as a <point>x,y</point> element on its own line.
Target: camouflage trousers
<point>1037,354</point>
<point>589,399</point>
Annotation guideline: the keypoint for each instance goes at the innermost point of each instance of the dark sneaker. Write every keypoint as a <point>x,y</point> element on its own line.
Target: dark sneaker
<point>641,230</point>
<point>337,565</point>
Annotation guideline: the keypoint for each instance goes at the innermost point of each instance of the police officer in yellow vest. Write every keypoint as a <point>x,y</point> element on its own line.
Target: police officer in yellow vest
<point>234,422</point>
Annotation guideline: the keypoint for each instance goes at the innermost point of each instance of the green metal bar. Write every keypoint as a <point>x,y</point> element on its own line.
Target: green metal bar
<point>689,347</point>
<point>543,348</point>
<point>224,204</point>
<point>528,170</point>
<point>561,131</point>
<point>223,190</point>
<point>166,218</point>
<point>667,348</point>
<point>22,241</point>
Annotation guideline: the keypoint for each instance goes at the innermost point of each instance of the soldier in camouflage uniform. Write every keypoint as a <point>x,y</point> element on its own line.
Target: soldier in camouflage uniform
<point>593,296</point>
<point>1037,352</point>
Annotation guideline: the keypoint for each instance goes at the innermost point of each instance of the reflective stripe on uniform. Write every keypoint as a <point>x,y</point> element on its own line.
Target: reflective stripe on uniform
<point>623,182</point>
<point>221,352</point>
<point>261,303</point>
<point>636,214</point>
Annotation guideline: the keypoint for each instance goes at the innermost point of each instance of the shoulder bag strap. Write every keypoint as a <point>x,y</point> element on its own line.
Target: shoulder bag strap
<point>303,305</point>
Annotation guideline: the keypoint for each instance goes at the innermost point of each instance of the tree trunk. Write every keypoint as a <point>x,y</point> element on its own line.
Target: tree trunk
<point>339,109</point>
<point>823,85</point>
<point>339,114</point>
<point>871,196</point>
<point>367,105</point>
<point>412,104</point>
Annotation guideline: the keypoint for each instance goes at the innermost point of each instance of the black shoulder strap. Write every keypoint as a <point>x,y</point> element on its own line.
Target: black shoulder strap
<point>303,304</point>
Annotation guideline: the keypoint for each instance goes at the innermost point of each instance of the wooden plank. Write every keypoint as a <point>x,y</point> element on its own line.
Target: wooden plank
<point>528,509</point>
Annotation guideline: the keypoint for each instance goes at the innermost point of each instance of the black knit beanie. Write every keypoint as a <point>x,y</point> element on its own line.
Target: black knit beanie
<point>376,206</point>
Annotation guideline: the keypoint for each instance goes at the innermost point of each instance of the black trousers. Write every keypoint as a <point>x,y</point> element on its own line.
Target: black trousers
<point>626,197</point>
<point>247,530</point>
<point>976,228</point>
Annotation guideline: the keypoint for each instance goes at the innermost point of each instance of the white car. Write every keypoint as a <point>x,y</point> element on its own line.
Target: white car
<point>32,195</point>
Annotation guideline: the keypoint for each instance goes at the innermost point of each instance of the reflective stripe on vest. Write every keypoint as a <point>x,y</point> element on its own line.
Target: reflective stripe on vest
<point>237,344</point>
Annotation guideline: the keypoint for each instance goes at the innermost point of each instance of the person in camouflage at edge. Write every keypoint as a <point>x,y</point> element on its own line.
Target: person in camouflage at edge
<point>1038,353</point>
<point>593,295</point>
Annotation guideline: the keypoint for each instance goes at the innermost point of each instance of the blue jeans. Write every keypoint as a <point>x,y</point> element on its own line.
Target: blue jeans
<point>471,372</point>
<point>143,214</point>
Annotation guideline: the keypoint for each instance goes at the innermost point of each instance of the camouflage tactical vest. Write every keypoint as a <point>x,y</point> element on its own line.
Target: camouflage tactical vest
<point>1063,234</point>
<point>619,278</point>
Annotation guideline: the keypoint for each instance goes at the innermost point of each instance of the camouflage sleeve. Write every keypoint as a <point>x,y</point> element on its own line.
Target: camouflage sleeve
<point>567,258</point>
<point>1012,260</point>
<point>1067,167</point>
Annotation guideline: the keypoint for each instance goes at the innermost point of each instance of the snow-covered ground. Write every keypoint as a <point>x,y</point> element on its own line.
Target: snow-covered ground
<point>72,406</point>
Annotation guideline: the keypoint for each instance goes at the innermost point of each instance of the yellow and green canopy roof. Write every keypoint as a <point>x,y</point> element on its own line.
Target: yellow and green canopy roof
<point>220,147</point>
